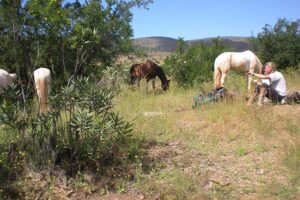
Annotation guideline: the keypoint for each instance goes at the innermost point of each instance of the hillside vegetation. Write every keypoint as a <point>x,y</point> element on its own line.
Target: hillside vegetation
<point>223,150</point>
<point>103,139</point>
<point>165,44</point>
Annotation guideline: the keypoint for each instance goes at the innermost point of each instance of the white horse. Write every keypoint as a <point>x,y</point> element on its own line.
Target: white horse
<point>6,79</point>
<point>239,61</point>
<point>42,80</point>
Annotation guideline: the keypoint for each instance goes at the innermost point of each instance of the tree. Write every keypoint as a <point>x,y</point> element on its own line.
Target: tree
<point>280,43</point>
<point>193,64</point>
<point>70,39</point>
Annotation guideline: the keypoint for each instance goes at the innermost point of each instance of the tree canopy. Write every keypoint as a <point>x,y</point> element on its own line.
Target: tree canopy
<point>280,43</point>
<point>71,38</point>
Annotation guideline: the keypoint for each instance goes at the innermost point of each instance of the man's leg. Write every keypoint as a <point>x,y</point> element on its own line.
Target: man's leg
<point>273,95</point>
<point>262,93</point>
<point>253,94</point>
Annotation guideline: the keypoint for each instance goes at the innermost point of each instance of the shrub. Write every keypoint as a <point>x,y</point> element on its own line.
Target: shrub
<point>279,43</point>
<point>193,64</point>
<point>80,132</point>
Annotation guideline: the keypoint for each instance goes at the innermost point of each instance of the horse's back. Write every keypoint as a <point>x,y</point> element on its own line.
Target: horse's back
<point>142,70</point>
<point>149,68</point>
<point>223,61</point>
<point>239,61</point>
<point>223,57</point>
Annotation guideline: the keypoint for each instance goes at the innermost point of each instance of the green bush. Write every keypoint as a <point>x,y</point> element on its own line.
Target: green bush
<point>279,43</point>
<point>80,132</point>
<point>193,64</point>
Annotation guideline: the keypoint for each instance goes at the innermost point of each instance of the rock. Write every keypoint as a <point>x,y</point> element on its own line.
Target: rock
<point>153,113</point>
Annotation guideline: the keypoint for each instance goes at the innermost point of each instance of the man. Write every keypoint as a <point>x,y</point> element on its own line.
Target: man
<point>276,91</point>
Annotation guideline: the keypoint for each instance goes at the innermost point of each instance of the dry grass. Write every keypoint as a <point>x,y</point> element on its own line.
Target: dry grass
<point>224,150</point>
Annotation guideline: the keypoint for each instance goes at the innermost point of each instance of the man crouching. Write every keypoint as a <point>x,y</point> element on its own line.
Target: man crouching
<point>276,90</point>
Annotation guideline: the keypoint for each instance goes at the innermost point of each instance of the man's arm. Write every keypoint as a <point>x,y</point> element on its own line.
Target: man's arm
<point>260,75</point>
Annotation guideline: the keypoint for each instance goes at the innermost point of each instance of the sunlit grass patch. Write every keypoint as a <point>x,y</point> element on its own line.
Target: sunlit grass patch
<point>241,151</point>
<point>259,148</point>
<point>169,184</point>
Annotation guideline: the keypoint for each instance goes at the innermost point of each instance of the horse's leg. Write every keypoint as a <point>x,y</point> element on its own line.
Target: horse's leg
<point>261,96</point>
<point>252,67</point>
<point>138,82</point>
<point>223,76</point>
<point>217,78</point>
<point>249,84</point>
<point>153,84</point>
<point>253,95</point>
<point>147,84</point>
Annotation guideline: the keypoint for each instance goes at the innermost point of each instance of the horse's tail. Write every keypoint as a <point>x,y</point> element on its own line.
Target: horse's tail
<point>259,66</point>
<point>43,95</point>
<point>217,77</point>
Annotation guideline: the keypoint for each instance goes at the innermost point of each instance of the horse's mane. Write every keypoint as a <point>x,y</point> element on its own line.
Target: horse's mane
<point>158,70</point>
<point>161,74</point>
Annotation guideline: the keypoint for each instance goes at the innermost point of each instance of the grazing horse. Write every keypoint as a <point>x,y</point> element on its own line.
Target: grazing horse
<point>6,79</point>
<point>239,61</point>
<point>148,70</point>
<point>42,80</point>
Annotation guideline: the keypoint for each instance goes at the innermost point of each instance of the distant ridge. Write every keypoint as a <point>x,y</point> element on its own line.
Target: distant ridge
<point>156,44</point>
<point>167,44</point>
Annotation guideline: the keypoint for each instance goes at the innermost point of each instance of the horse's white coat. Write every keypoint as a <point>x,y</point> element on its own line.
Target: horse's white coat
<point>6,79</point>
<point>239,61</point>
<point>42,80</point>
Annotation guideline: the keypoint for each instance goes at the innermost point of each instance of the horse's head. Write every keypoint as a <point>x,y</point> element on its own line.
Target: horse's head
<point>166,85</point>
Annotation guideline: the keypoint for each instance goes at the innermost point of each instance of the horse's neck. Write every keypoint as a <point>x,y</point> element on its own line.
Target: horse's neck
<point>161,75</point>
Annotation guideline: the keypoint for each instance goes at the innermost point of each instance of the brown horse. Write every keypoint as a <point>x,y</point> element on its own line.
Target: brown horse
<point>148,70</point>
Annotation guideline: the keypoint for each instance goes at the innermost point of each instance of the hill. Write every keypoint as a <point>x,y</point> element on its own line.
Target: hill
<point>156,44</point>
<point>166,44</point>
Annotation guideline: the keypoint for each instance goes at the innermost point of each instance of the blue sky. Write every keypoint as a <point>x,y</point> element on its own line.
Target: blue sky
<point>196,19</point>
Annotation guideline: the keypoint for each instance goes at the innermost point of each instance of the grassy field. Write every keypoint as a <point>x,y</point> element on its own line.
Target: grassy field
<point>224,150</point>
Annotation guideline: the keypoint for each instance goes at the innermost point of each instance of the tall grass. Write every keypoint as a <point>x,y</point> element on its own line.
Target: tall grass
<point>85,130</point>
<point>223,129</point>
